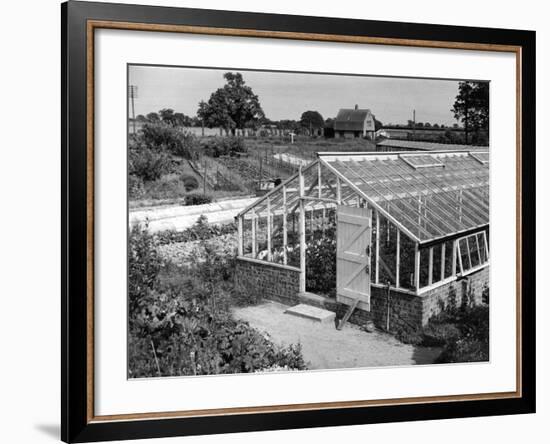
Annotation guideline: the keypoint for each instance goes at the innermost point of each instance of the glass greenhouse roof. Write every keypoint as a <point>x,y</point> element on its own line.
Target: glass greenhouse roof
<point>436,196</point>
<point>427,196</point>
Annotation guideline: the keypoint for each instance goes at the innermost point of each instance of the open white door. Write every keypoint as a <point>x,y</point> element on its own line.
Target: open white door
<point>353,254</point>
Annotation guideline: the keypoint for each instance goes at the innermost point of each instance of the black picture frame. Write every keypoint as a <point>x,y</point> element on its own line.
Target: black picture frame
<point>76,423</point>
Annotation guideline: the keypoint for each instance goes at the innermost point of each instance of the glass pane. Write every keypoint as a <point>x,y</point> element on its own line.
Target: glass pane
<point>474,251</point>
<point>406,259</point>
<point>261,237</point>
<point>424,266</point>
<point>482,250</point>
<point>464,256</point>
<point>449,259</point>
<point>436,268</point>
<point>277,238</point>
<point>387,252</point>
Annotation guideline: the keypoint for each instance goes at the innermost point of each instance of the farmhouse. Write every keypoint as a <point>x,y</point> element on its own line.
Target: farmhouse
<point>415,145</point>
<point>350,123</point>
<point>408,233</point>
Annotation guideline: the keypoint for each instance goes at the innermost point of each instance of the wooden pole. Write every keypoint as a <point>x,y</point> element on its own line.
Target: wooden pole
<point>430,265</point>
<point>377,252</point>
<point>285,228</point>
<point>443,261</point>
<point>397,259</point>
<point>240,246</point>
<point>268,229</point>
<point>319,178</point>
<point>302,229</point>
<point>338,191</point>
<point>486,245</point>
<point>416,267</point>
<point>254,249</point>
<point>453,272</point>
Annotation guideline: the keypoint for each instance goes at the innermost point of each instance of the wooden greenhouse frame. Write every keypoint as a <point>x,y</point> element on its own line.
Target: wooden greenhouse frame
<point>431,208</point>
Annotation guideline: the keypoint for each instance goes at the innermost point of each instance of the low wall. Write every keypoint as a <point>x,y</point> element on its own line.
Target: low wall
<point>271,281</point>
<point>456,292</point>
<point>281,284</point>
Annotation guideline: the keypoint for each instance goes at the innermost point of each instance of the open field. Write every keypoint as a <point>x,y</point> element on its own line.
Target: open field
<point>266,161</point>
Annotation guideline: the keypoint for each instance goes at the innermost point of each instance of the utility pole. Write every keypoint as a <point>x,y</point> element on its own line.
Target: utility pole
<point>132,93</point>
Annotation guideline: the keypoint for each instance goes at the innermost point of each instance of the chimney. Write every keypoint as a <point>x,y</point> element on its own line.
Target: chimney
<point>356,107</point>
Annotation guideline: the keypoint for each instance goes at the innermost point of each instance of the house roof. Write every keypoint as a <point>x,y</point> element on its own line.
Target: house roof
<point>427,196</point>
<point>427,146</point>
<point>351,119</point>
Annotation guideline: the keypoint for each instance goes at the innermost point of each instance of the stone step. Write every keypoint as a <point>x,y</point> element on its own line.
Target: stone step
<point>313,313</point>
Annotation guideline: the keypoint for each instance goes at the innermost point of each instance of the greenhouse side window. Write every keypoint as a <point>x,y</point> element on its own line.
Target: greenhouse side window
<point>472,251</point>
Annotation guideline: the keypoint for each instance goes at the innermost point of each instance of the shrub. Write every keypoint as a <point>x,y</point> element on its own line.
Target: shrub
<point>320,262</point>
<point>223,146</point>
<point>144,265</point>
<point>166,138</point>
<point>135,187</point>
<point>147,164</point>
<point>183,326</point>
<point>462,332</point>
<point>197,199</point>
<point>189,182</point>
<point>168,186</point>
<point>200,230</point>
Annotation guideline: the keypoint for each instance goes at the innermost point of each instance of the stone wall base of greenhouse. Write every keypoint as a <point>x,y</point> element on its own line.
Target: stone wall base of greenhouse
<point>281,284</point>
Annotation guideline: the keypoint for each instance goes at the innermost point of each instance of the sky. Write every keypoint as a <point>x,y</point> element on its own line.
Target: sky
<point>287,95</point>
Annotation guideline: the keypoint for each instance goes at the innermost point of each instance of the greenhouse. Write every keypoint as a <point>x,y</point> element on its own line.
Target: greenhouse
<point>361,228</point>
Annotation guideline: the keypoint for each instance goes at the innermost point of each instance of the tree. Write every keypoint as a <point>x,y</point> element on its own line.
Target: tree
<point>181,119</point>
<point>235,106</point>
<point>288,125</point>
<point>167,116</point>
<point>312,120</point>
<point>153,117</point>
<point>377,124</point>
<point>141,118</point>
<point>471,107</point>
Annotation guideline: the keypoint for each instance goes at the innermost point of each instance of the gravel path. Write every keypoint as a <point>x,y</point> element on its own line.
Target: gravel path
<point>324,347</point>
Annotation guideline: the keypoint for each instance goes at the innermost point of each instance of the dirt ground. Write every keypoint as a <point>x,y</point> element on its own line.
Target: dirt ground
<point>324,347</point>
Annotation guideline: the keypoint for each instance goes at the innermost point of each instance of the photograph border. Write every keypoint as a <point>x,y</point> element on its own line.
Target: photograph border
<point>79,22</point>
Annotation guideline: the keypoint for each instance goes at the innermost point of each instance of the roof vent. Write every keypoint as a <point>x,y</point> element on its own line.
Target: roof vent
<point>421,161</point>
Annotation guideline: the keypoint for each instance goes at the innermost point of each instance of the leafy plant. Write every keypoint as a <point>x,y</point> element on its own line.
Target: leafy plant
<point>223,146</point>
<point>197,199</point>
<point>462,332</point>
<point>168,139</point>
<point>320,262</point>
<point>200,230</point>
<point>144,265</point>
<point>180,320</point>
<point>135,186</point>
<point>189,182</point>
<point>147,164</point>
